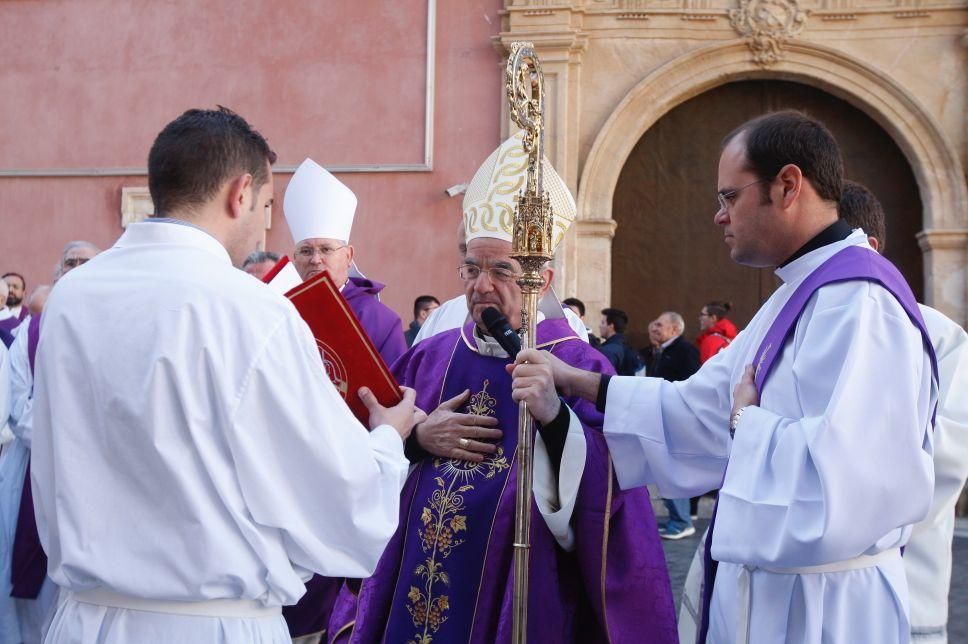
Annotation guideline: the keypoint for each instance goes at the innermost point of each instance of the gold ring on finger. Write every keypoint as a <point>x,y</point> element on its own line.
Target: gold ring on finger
<point>464,443</point>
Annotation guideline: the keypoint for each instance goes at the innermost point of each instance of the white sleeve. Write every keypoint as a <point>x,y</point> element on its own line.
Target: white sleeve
<point>853,469</point>
<point>308,467</point>
<point>671,434</point>
<point>21,389</point>
<point>555,496</point>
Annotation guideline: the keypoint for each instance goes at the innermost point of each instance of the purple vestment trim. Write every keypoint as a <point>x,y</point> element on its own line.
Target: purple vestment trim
<point>851,263</point>
<point>29,562</point>
<point>381,324</point>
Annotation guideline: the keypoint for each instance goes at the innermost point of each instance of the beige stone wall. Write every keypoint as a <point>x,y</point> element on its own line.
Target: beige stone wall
<point>614,67</point>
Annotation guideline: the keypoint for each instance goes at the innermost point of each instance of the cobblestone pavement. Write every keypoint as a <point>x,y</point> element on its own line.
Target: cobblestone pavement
<point>679,556</point>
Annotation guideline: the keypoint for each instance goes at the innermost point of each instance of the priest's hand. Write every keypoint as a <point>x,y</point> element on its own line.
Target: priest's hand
<point>745,394</point>
<point>569,380</point>
<point>533,382</point>
<point>401,417</point>
<point>450,434</point>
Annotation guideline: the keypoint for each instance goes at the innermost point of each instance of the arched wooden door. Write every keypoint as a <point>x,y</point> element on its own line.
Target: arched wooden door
<point>669,255</point>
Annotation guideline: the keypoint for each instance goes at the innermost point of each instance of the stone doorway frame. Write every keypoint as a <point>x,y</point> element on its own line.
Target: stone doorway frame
<point>935,164</point>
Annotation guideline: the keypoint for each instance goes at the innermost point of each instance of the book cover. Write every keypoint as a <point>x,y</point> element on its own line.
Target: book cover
<point>349,357</point>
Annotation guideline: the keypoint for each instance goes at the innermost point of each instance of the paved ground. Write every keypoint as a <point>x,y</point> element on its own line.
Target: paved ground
<point>679,555</point>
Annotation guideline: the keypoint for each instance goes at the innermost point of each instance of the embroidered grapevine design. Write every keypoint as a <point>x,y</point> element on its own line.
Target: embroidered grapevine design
<point>442,523</point>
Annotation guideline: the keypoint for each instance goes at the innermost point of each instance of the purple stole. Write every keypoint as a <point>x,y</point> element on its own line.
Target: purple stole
<point>29,562</point>
<point>851,263</point>
<point>9,324</point>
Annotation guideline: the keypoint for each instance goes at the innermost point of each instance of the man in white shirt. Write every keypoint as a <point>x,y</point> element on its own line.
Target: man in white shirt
<point>831,463</point>
<point>192,465</point>
<point>927,558</point>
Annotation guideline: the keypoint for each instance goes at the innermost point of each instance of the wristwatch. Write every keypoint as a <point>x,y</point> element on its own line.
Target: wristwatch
<point>734,421</point>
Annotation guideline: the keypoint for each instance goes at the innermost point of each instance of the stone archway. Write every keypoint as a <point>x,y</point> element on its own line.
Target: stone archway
<point>937,168</point>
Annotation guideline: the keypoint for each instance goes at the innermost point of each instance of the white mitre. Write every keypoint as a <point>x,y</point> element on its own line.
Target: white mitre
<point>490,199</point>
<point>317,205</point>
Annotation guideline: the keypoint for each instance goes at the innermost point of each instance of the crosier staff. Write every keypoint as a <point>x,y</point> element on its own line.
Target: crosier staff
<point>531,245</point>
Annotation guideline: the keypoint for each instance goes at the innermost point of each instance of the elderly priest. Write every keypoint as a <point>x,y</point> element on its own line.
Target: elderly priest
<point>597,568</point>
<point>320,210</point>
<point>192,464</point>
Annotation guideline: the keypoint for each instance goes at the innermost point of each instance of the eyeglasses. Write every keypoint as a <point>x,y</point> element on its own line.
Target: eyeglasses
<point>308,252</point>
<point>470,272</point>
<point>74,262</point>
<point>727,198</point>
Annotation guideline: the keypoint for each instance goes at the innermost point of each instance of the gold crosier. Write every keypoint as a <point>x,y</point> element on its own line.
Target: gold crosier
<point>531,245</point>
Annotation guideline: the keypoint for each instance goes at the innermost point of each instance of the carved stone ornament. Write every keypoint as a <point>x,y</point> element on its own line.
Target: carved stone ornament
<point>767,25</point>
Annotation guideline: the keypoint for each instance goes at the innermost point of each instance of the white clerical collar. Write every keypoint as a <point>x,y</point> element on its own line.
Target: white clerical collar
<point>488,346</point>
<point>172,231</point>
<point>15,310</point>
<point>799,268</point>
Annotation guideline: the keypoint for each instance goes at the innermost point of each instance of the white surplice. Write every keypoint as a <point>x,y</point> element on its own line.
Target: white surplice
<point>927,558</point>
<point>24,620</point>
<point>834,464</point>
<point>188,446</point>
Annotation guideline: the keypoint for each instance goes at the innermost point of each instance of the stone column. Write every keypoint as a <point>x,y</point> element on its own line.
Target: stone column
<point>946,271</point>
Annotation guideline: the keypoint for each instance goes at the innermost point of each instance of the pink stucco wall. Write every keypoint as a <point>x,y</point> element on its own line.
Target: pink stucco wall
<point>89,84</point>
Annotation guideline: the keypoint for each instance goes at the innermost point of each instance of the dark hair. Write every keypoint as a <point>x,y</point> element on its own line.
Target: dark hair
<point>617,318</point>
<point>574,301</point>
<point>423,302</point>
<point>718,308</point>
<point>12,274</point>
<point>259,256</point>
<point>860,209</point>
<point>778,138</point>
<point>198,152</point>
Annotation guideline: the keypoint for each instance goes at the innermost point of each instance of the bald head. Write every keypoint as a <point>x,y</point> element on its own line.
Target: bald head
<point>667,326</point>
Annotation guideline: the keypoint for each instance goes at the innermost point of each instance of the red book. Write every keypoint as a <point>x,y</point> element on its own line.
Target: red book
<point>349,357</point>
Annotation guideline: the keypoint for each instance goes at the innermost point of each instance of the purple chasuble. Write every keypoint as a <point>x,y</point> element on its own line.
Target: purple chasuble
<point>380,323</point>
<point>446,574</point>
<point>385,330</point>
<point>852,263</point>
<point>29,562</point>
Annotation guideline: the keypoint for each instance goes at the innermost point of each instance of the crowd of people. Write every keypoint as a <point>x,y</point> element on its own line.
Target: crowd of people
<point>176,466</point>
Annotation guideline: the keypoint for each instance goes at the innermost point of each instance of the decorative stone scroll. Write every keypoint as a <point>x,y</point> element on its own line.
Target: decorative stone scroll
<point>767,25</point>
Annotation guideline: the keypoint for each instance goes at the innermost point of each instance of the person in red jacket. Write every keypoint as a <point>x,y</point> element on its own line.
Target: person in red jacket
<point>716,332</point>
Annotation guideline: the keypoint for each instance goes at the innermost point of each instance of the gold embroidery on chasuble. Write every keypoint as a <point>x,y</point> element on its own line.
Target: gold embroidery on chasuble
<point>442,524</point>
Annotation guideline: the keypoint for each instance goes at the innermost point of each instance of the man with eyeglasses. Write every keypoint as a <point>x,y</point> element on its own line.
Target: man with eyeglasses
<point>320,210</point>
<point>815,422</point>
<point>446,574</point>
